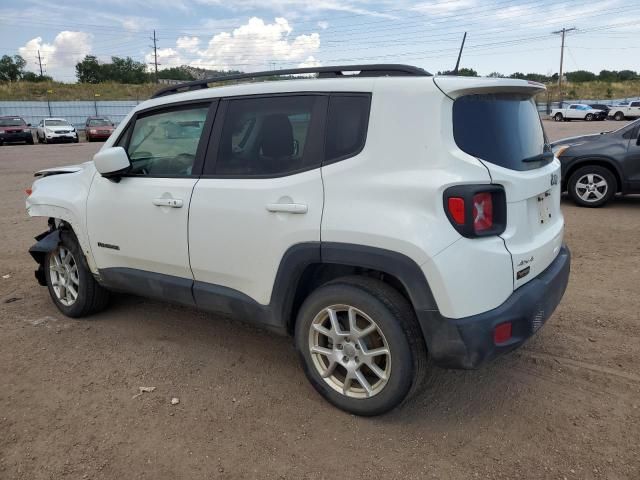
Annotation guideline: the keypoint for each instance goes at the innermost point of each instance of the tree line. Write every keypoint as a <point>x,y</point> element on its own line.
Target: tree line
<point>127,70</point>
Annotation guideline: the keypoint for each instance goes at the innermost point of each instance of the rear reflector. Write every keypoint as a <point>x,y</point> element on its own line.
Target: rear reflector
<point>482,212</point>
<point>456,209</point>
<point>502,333</point>
<point>28,191</point>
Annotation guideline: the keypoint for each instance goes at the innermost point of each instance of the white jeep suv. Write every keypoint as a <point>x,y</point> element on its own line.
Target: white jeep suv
<point>384,219</point>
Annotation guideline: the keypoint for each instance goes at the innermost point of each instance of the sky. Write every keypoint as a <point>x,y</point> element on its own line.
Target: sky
<point>503,36</point>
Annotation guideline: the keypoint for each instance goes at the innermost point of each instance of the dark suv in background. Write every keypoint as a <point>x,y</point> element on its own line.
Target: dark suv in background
<point>15,129</point>
<point>596,167</point>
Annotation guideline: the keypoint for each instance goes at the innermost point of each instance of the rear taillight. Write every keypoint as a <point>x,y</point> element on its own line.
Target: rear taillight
<point>28,191</point>
<point>476,210</point>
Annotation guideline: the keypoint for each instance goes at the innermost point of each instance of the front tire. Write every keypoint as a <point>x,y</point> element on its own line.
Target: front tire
<point>71,285</point>
<point>592,186</point>
<point>619,116</point>
<point>588,117</point>
<point>360,345</point>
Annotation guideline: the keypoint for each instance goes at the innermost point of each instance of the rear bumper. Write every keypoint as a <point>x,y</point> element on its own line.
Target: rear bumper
<point>16,137</point>
<point>468,342</point>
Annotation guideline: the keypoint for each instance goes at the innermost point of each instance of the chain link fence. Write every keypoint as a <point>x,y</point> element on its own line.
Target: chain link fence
<point>75,112</point>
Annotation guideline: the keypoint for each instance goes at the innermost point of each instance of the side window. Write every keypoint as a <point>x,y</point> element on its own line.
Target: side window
<point>573,107</point>
<point>165,143</point>
<point>635,104</point>
<point>269,136</point>
<point>347,125</point>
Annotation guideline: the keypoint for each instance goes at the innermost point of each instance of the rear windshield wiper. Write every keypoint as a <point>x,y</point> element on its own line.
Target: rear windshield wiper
<point>544,156</point>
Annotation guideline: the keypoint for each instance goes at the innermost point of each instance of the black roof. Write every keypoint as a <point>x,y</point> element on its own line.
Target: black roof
<point>377,70</point>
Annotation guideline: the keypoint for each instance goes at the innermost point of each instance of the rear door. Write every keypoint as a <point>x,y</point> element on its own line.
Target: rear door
<point>499,124</point>
<point>634,109</point>
<point>261,193</point>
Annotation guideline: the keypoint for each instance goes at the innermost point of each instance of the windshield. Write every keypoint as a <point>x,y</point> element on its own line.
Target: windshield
<point>502,128</point>
<point>56,123</point>
<point>11,122</point>
<point>99,122</point>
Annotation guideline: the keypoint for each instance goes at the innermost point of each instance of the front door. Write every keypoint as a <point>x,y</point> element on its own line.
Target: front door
<point>261,193</point>
<point>138,226</point>
<point>631,164</point>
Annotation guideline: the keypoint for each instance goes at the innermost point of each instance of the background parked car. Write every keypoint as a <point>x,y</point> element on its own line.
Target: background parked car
<point>15,129</point>
<point>596,167</point>
<point>56,130</point>
<point>577,111</point>
<point>98,128</point>
<point>625,110</point>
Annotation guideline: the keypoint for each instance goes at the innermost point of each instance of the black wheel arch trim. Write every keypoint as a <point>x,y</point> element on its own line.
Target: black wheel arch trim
<point>46,242</point>
<point>607,162</point>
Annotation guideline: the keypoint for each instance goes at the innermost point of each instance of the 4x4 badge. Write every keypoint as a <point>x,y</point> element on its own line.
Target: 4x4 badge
<point>554,179</point>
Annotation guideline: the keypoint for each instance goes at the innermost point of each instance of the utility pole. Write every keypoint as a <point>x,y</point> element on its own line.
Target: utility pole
<point>40,63</point>
<point>455,70</point>
<point>155,54</point>
<point>563,32</point>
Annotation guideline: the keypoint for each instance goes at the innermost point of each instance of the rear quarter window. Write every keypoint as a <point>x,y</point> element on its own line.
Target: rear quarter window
<point>347,124</point>
<point>503,129</point>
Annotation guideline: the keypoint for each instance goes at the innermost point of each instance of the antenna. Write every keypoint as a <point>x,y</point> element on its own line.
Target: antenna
<point>455,70</point>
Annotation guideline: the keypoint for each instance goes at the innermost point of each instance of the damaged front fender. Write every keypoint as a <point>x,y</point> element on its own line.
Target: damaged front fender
<point>47,242</point>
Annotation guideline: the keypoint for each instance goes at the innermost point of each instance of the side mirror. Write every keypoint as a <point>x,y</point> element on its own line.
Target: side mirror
<point>112,162</point>
<point>28,124</point>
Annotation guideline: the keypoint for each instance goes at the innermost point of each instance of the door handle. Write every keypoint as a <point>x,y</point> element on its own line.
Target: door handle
<point>168,202</point>
<point>287,208</point>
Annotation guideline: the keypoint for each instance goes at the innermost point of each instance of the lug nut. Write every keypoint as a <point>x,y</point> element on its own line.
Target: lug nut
<point>357,359</point>
<point>339,346</point>
<point>345,359</point>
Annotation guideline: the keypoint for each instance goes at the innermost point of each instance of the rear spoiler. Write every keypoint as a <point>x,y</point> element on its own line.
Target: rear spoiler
<point>455,87</point>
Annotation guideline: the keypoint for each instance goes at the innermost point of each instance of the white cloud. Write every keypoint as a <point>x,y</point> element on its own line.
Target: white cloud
<point>253,46</point>
<point>67,49</point>
<point>310,62</point>
<point>443,7</point>
<point>190,44</point>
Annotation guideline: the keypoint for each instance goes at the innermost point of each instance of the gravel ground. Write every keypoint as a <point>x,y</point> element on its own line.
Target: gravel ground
<point>565,406</point>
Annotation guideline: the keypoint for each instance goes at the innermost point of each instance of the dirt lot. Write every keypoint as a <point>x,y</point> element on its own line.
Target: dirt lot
<point>565,406</point>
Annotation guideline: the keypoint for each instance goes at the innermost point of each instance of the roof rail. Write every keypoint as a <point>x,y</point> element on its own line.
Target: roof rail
<point>376,70</point>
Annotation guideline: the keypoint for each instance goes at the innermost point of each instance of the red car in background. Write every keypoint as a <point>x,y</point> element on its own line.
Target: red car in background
<point>98,128</point>
<point>15,129</point>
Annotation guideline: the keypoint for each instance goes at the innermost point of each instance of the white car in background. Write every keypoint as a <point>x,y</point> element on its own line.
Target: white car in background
<point>577,111</point>
<point>56,130</point>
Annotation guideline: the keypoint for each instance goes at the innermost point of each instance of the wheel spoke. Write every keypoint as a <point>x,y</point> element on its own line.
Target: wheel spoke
<point>601,183</point>
<point>597,194</point>
<point>376,352</point>
<point>353,316</point>
<point>329,371</point>
<point>377,371</point>
<point>367,331</point>
<point>72,291</point>
<point>322,351</point>
<point>584,195</point>
<point>364,383</point>
<point>347,382</point>
<point>333,318</point>
<point>322,330</point>
<point>590,177</point>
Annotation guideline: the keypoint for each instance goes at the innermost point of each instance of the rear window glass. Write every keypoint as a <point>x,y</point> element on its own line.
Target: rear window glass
<point>346,126</point>
<point>11,122</point>
<point>503,129</point>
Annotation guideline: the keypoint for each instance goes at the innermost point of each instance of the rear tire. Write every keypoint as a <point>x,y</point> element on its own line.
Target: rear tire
<point>70,282</point>
<point>589,117</point>
<point>557,117</point>
<point>592,186</point>
<point>336,352</point>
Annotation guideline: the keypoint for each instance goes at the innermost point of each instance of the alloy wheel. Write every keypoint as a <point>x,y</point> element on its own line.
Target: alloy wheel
<point>349,351</point>
<point>63,271</point>
<point>591,187</point>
